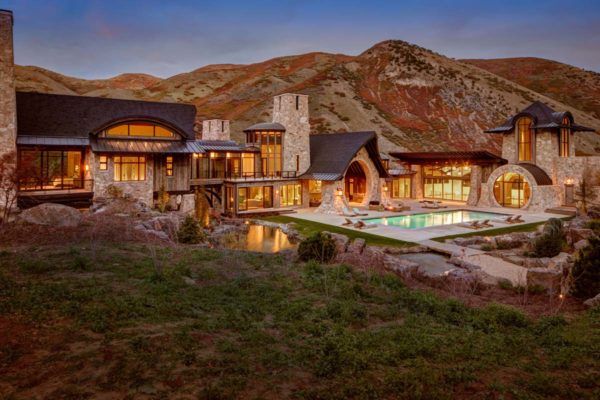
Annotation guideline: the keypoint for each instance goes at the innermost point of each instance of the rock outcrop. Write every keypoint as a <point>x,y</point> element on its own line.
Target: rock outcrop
<point>52,214</point>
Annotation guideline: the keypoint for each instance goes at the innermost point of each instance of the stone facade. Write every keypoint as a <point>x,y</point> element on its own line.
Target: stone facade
<point>373,182</point>
<point>8,107</point>
<point>291,111</point>
<point>141,190</point>
<point>509,148</point>
<point>476,180</point>
<point>215,129</point>
<point>331,201</point>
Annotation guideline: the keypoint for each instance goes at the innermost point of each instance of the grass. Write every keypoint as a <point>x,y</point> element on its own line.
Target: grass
<point>126,321</point>
<point>308,228</point>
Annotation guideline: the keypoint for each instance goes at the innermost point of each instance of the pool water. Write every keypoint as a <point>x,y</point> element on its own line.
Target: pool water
<point>438,218</point>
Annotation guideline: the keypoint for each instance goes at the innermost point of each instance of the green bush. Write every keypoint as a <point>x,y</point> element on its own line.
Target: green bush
<point>551,241</point>
<point>318,247</point>
<point>586,271</point>
<point>190,231</point>
<point>594,225</point>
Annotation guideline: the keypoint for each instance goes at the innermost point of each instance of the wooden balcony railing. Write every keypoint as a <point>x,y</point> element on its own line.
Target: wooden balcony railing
<point>62,184</point>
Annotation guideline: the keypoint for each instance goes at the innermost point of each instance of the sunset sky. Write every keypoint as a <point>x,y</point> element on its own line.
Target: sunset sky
<point>99,39</point>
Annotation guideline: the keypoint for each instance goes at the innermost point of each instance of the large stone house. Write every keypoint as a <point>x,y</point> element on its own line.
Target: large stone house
<point>76,150</point>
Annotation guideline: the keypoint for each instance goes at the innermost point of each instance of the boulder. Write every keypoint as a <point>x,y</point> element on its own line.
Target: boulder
<point>469,241</point>
<point>52,214</point>
<point>593,211</point>
<point>577,234</point>
<point>405,250</point>
<point>560,262</point>
<point>529,262</point>
<point>399,265</point>
<point>580,244</point>
<point>167,223</point>
<point>341,241</point>
<point>593,302</point>
<point>357,246</point>
<point>548,278</point>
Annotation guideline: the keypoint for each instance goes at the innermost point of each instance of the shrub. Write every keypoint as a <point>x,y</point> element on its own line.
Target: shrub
<point>163,199</point>
<point>551,241</point>
<point>594,225</point>
<point>318,247</point>
<point>586,271</point>
<point>190,231</point>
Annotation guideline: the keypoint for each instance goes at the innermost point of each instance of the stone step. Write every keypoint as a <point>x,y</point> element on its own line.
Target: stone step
<point>563,210</point>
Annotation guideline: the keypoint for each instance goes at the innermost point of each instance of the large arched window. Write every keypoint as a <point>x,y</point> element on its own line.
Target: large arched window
<point>512,190</point>
<point>138,129</point>
<point>525,138</point>
<point>565,137</point>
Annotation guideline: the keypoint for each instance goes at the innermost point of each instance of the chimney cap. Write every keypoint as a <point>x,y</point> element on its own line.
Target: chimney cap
<point>8,12</point>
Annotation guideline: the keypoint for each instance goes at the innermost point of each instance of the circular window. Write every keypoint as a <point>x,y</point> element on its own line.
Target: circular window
<point>512,190</point>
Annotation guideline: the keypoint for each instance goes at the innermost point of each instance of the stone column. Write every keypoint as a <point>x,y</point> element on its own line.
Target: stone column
<point>291,111</point>
<point>475,192</point>
<point>417,182</point>
<point>216,129</point>
<point>8,106</point>
<point>331,202</point>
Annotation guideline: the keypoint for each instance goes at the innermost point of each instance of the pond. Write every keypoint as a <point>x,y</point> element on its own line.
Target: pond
<point>262,239</point>
<point>430,264</point>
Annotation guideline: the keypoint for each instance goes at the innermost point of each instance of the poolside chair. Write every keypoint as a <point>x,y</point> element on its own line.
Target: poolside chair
<point>504,220</point>
<point>347,213</point>
<point>433,205</point>
<point>471,225</point>
<point>362,225</point>
<point>486,224</point>
<point>439,204</point>
<point>517,219</point>
<point>348,222</point>
<point>358,212</point>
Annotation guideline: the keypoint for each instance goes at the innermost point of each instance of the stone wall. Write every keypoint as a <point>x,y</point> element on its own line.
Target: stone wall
<point>373,181</point>
<point>8,108</point>
<point>509,147</point>
<point>417,182</point>
<point>475,191</point>
<point>331,202</point>
<point>215,129</point>
<point>291,110</point>
<point>546,154</point>
<point>141,190</point>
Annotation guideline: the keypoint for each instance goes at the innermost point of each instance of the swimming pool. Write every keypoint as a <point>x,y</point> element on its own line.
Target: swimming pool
<point>437,218</point>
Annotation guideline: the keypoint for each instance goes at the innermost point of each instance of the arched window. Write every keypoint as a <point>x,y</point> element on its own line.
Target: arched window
<point>565,137</point>
<point>512,190</point>
<point>525,138</point>
<point>138,129</point>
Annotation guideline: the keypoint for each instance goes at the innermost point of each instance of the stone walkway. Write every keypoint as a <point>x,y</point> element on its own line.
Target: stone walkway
<point>495,268</point>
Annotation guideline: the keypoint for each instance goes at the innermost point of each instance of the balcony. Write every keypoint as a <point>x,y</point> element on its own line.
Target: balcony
<point>205,177</point>
<point>72,192</point>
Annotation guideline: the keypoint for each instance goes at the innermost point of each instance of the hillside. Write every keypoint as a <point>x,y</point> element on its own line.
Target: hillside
<point>565,83</point>
<point>414,98</point>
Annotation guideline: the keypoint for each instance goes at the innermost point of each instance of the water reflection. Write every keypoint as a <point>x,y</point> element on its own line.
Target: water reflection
<point>263,239</point>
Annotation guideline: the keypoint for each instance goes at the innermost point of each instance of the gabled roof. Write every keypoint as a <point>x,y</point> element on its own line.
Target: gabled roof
<point>544,117</point>
<point>52,115</point>
<point>331,154</point>
<point>474,157</point>
<point>266,126</point>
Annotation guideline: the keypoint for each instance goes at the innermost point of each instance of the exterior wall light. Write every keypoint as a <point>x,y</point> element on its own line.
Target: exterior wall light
<point>340,192</point>
<point>569,181</point>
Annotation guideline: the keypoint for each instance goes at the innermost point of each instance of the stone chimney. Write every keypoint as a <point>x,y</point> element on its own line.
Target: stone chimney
<point>8,106</point>
<point>215,129</point>
<point>291,111</point>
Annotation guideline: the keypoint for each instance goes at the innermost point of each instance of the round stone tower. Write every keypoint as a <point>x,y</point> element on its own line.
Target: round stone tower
<point>291,111</point>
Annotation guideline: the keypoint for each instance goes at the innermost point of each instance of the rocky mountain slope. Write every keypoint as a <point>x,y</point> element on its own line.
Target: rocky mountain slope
<point>565,83</point>
<point>414,98</point>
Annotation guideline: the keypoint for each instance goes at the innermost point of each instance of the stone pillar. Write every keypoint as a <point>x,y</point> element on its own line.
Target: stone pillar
<point>331,202</point>
<point>291,111</point>
<point>417,182</point>
<point>216,129</point>
<point>475,192</point>
<point>8,106</point>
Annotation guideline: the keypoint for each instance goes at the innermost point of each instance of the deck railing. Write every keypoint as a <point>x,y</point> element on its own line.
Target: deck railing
<point>234,175</point>
<point>64,185</point>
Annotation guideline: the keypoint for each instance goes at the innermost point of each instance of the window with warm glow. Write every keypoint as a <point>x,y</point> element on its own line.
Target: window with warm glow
<point>103,163</point>
<point>291,195</point>
<point>401,187</point>
<point>565,137</point>
<point>130,168</point>
<point>169,166</point>
<point>447,182</point>
<point>512,190</point>
<point>525,138</point>
<point>255,197</point>
<point>140,130</point>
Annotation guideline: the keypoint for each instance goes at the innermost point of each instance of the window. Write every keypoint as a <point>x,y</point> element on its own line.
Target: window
<point>50,169</point>
<point>248,164</point>
<point>103,163</point>
<point>447,182</point>
<point>297,102</point>
<point>270,152</point>
<point>297,163</point>
<point>255,197</point>
<point>130,168</point>
<point>512,190</point>
<point>139,129</point>
<point>169,166</point>
<point>565,137</point>
<point>525,138</point>
<point>401,187</point>
<point>291,195</point>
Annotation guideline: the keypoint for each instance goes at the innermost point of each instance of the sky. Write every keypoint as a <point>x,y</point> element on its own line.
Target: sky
<point>100,39</point>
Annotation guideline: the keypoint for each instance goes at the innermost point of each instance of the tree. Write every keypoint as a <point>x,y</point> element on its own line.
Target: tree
<point>9,183</point>
<point>585,193</point>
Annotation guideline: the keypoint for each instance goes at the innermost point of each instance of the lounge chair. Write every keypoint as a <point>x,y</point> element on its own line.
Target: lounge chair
<point>348,222</point>
<point>358,212</point>
<point>362,225</point>
<point>504,220</point>
<point>433,205</point>
<point>486,224</point>
<point>517,219</point>
<point>471,225</point>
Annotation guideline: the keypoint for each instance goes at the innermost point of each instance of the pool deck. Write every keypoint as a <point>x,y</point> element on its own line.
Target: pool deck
<point>494,268</point>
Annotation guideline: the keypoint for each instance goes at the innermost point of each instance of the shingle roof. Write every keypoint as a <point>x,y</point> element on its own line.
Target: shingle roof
<point>544,117</point>
<point>331,154</point>
<point>77,116</point>
<point>265,126</point>
<point>541,177</point>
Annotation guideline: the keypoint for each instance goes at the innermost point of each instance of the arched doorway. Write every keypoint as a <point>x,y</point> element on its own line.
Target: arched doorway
<point>355,183</point>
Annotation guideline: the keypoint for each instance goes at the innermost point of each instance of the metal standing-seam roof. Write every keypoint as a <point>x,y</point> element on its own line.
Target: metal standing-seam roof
<point>541,177</point>
<point>331,154</point>
<point>31,140</point>
<point>266,126</point>
<point>40,114</point>
<point>544,117</point>
<point>474,157</point>
<point>145,146</point>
